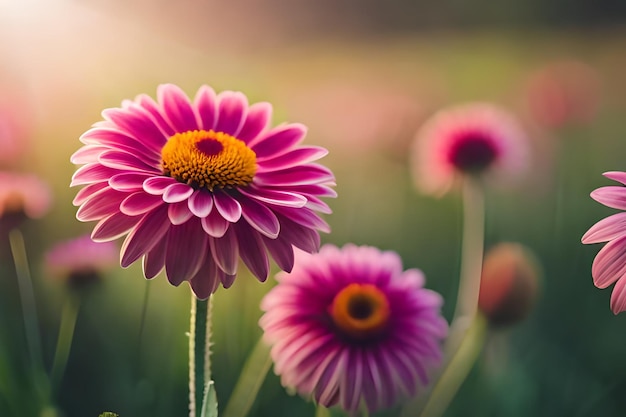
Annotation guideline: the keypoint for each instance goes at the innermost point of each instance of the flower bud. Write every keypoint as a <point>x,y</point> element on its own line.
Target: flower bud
<point>509,284</point>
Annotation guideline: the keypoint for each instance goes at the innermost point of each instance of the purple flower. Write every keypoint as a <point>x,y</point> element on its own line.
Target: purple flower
<point>609,266</point>
<point>80,260</point>
<point>348,325</point>
<point>196,185</point>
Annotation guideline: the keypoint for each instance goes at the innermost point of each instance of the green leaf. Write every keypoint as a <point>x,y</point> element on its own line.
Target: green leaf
<point>209,402</point>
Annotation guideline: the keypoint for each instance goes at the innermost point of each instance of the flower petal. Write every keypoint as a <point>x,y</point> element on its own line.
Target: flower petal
<point>139,203</point>
<point>177,108</point>
<point>186,250</point>
<point>201,203</point>
<point>154,260</point>
<point>214,224</point>
<point>88,154</point>
<point>606,229</point>
<point>281,251</point>
<point>148,232</point>
<point>257,120</point>
<point>206,281</point>
<point>158,185</point>
<point>252,251</point>
<point>299,175</point>
<point>113,227</point>
<point>100,205</point>
<point>616,176</point>
<point>179,213</point>
<point>128,181</point>
<point>618,296</point>
<point>226,252</point>
<point>85,193</point>
<point>89,173</point>
<point>177,192</point>
<point>612,196</point>
<point>278,140</point>
<point>610,263</point>
<point>227,206</point>
<point>260,217</point>
<point>232,108</point>
<point>279,198</point>
<point>206,107</point>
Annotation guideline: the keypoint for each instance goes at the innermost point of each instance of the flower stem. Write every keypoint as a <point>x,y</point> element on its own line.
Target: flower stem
<point>29,311</point>
<point>467,299</point>
<point>250,380</point>
<point>199,353</point>
<point>64,340</point>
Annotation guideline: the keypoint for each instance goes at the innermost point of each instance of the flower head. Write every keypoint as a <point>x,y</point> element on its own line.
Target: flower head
<point>22,196</point>
<point>474,139</point>
<point>609,265</point>
<point>509,284</point>
<point>196,185</point>
<point>349,326</point>
<point>80,261</point>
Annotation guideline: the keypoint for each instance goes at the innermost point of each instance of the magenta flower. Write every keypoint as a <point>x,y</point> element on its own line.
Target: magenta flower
<point>196,185</point>
<point>22,196</point>
<point>80,260</point>
<point>474,139</point>
<point>348,325</point>
<point>609,266</point>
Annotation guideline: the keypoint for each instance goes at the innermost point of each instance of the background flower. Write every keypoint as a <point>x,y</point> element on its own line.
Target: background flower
<point>22,196</point>
<point>348,325</point>
<point>472,139</point>
<point>196,185</point>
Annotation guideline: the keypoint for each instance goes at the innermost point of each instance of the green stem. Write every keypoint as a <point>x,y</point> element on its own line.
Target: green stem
<point>321,411</point>
<point>64,340</point>
<point>469,288</point>
<point>250,380</point>
<point>29,311</point>
<point>199,353</point>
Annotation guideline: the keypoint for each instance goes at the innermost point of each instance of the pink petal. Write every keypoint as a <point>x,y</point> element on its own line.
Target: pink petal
<point>281,251</point>
<point>177,192</point>
<point>610,263</point>
<point>138,125</point>
<point>231,112</point>
<point>148,232</point>
<point>300,236</point>
<point>214,224</point>
<point>305,217</point>
<point>201,203</point>
<point>128,181</point>
<point>87,154</point>
<point>616,176</point>
<point>226,252</point>
<point>154,260</point>
<point>186,250</point>
<point>319,190</point>
<point>206,281</point>
<point>252,251</point>
<point>113,227</point>
<point>179,213</point>
<point>279,198</point>
<point>124,161</point>
<point>606,229</point>
<point>295,157</point>
<point>278,140</point>
<point>260,217</point>
<point>612,196</point>
<point>257,119</point>
<point>92,173</point>
<point>226,280</point>
<point>158,185</point>
<point>227,206</point>
<point>100,205</point>
<point>115,139</point>
<point>85,193</point>
<point>206,107</point>
<point>139,203</point>
<point>300,175</point>
<point>149,106</point>
<point>177,108</point>
<point>618,296</point>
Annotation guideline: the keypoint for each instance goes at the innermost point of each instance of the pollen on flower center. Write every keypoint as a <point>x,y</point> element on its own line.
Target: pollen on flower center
<point>360,310</point>
<point>472,153</point>
<point>208,159</point>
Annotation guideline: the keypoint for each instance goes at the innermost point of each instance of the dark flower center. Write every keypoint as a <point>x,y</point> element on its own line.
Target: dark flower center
<point>472,153</point>
<point>360,311</point>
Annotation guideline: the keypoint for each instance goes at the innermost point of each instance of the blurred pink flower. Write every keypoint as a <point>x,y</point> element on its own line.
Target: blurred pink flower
<point>349,326</point>
<point>80,260</point>
<point>563,93</point>
<point>477,139</point>
<point>609,265</point>
<point>195,185</point>
<point>22,196</point>
<point>13,135</point>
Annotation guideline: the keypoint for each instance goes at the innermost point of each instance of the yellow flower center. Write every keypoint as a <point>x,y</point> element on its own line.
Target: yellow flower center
<point>360,310</point>
<point>208,159</point>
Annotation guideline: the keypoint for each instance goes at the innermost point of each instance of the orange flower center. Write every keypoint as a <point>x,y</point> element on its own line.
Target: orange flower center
<point>360,310</point>
<point>208,159</point>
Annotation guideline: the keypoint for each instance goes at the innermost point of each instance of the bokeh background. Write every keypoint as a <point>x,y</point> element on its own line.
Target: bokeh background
<point>363,76</point>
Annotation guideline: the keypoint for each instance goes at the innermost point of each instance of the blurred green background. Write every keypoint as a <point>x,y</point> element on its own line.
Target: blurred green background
<point>362,76</point>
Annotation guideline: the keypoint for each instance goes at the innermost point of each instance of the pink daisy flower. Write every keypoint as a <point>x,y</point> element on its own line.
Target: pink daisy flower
<point>22,196</point>
<point>473,139</point>
<point>609,265</point>
<point>196,185</point>
<point>80,260</point>
<point>349,326</point>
